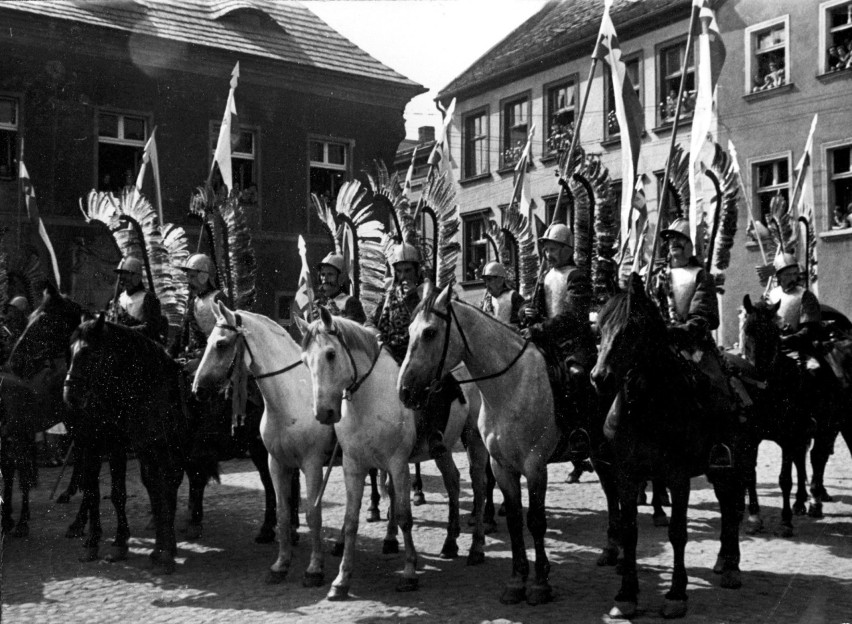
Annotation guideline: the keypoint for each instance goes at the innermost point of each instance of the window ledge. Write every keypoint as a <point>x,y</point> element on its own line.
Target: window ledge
<point>759,95</point>
<point>829,76</point>
<point>836,234</point>
<point>476,178</point>
<point>471,284</point>
<point>511,168</point>
<point>615,140</point>
<point>667,126</point>
<point>550,158</point>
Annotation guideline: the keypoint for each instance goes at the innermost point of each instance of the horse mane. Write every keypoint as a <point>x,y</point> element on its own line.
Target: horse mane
<point>267,322</point>
<point>355,335</point>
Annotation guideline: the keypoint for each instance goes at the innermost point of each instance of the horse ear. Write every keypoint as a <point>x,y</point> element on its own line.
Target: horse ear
<point>301,325</point>
<point>50,289</point>
<point>634,284</point>
<point>99,323</point>
<point>444,297</point>
<point>325,317</point>
<point>774,307</point>
<point>220,310</point>
<point>748,306</point>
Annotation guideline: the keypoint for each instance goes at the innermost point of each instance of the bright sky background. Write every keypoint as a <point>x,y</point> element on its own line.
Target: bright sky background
<point>429,41</point>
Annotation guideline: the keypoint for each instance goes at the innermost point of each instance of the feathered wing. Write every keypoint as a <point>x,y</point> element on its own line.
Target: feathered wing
<point>606,223</point>
<point>239,254</point>
<point>4,275</point>
<point>177,246</point>
<point>440,197</point>
<point>781,225</point>
<point>517,231</point>
<point>24,267</point>
<point>722,167</point>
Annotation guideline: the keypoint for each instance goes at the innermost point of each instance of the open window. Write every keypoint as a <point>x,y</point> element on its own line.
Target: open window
<point>475,144</point>
<point>835,32</point>
<point>767,55</point>
<point>670,68</point>
<point>475,248</point>
<point>840,186</point>
<point>328,170</point>
<point>770,179</point>
<point>121,141</point>
<point>515,131</point>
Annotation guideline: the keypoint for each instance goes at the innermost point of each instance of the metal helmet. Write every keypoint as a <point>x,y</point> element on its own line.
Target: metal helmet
<point>558,233</point>
<point>334,260</point>
<point>678,227</point>
<point>199,262</point>
<point>404,252</point>
<point>494,269</point>
<point>21,303</point>
<point>129,264</point>
<point>784,261</point>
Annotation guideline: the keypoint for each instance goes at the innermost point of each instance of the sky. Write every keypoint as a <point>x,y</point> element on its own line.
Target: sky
<point>429,41</point>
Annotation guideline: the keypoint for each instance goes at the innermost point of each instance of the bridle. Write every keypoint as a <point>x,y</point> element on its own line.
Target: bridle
<point>451,318</point>
<point>238,329</point>
<point>352,388</point>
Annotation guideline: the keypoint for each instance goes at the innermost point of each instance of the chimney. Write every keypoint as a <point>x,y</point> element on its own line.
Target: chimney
<point>425,134</point>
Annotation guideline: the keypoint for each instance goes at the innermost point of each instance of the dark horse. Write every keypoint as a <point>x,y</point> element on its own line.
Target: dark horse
<point>660,432</point>
<point>18,415</point>
<point>128,392</point>
<point>42,352</point>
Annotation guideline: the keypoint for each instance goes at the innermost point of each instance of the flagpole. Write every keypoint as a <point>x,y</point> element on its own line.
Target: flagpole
<point>665,188</point>
<point>518,187</point>
<point>20,190</point>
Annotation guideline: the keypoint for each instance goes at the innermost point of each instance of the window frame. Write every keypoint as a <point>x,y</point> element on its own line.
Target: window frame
<point>755,191</point>
<point>120,141</point>
<point>659,49</point>
<point>284,321</point>
<point>824,9</point>
<point>474,216</point>
<point>523,96</point>
<point>346,168</point>
<point>15,130</point>
<point>483,111</point>
<point>572,81</point>
<point>829,196</point>
<point>750,35</point>
<point>627,58</point>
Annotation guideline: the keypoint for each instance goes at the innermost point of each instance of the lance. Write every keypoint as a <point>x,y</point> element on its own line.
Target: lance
<point>327,471</point>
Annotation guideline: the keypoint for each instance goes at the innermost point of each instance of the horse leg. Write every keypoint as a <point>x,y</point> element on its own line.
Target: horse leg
<point>539,592</point>
<point>450,473</point>
<point>729,493</point>
<point>353,476</point>
<point>675,605</point>
<point>510,486</point>
<point>283,479</point>
<point>488,516</point>
<point>118,494</point>
<point>373,512</point>
<point>658,499</point>
<point>609,553</point>
<point>821,451</point>
<point>260,459</point>
<point>800,461</point>
<point>628,595</point>
<point>401,480</point>
<point>785,481</point>
<point>76,476</point>
<point>315,574</point>
<point>7,469</point>
<point>92,501</point>
<point>390,545</point>
<point>295,499</point>
<point>417,487</point>
<point>477,462</point>
<point>198,478</point>
<point>748,453</point>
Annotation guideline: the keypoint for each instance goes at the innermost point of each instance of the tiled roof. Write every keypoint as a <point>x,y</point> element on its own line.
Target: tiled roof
<point>287,31</point>
<point>548,37</point>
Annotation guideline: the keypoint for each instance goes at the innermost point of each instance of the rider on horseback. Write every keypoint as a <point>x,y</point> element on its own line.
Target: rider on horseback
<point>136,307</point>
<point>500,301</point>
<point>557,320</point>
<point>331,293</point>
<point>799,315</point>
<point>688,295</point>
<point>392,319</point>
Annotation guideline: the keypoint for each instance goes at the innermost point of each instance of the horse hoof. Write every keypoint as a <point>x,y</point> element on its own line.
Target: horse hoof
<point>502,510</point>
<point>313,579</point>
<point>815,511</point>
<point>167,566</point>
<point>266,535</point>
<point>338,592</point>
<point>275,577</point>
<point>374,515</point>
<point>475,558</point>
<point>73,532</point>
<point>408,584</point>
<point>390,547</point>
<point>418,499</point>
<point>784,530</point>
<point>513,595</point>
<point>450,550</point>
<point>22,530</point>
<point>193,531</point>
<point>64,498</point>
<point>608,556</point>
<point>90,553</point>
<point>539,594</point>
<point>820,495</point>
<point>754,525</point>
<point>661,520</point>
<point>116,553</point>
<point>622,610</point>
<point>731,579</point>
<point>337,549</point>
<point>673,609</point>
<point>719,566</point>
<point>799,509</point>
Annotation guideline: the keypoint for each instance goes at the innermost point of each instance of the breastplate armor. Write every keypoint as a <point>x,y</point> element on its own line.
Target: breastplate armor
<point>503,306</point>
<point>203,311</point>
<point>790,311</point>
<point>132,304</point>
<point>555,290</point>
<point>684,284</point>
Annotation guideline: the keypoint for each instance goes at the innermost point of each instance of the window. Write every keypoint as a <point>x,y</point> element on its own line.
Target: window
<point>121,140</point>
<point>771,180</point>
<point>559,112</point>
<point>768,60</point>
<point>835,35</point>
<point>475,245</point>
<point>284,307</point>
<point>8,137</point>
<point>611,128</point>
<point>516,128</point>
<point>476,144</point>
<point>670,70</point>
<point>244,151</point>
<point>329,166</point>
<point>840,186</point>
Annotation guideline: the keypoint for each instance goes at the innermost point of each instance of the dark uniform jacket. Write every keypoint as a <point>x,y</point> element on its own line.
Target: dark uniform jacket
<point>344,305</point>
<point>392,319</point>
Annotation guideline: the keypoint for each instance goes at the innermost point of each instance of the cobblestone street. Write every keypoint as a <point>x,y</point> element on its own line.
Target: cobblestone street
<point>220,577</point>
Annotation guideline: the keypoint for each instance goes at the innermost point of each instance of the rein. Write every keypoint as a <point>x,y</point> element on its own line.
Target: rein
<point>448,318</point>
<point>238,329</point>
<point>356,383</point>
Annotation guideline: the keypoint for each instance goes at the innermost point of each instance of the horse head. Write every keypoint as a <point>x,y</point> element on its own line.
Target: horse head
<point>327,352</point>
<point>760,337</point>
<point>47,334</point>
<point>432,351</point>
<point>87,359</point>
<point>224,347</point>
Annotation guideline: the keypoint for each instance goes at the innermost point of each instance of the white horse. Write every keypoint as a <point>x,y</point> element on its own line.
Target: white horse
<point>293,437</point>
<point>354,383</point>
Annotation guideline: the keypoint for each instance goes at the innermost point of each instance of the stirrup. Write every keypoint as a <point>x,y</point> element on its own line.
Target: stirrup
<point>579,443</point>
<point>720,457</point>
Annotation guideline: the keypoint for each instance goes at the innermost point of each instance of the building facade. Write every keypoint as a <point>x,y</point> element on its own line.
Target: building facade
<point>84,85</point>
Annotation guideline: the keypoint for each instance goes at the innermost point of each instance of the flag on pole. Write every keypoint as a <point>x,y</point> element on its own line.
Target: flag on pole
<point>409,176</point>
<point>42,243</point>
<point>803,199</point>
<point>711,58</point>
<point>523,193</point>
<point>440,156</point>
<point>305,292</point>
<point>628,109</point>
<point>222,155</point>
<point>150,155</point>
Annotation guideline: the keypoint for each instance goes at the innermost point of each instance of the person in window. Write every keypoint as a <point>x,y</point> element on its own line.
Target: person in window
<point>775,76</point>
<point>668,107</point>
<point>834,59</point>
<point>843,57</point>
